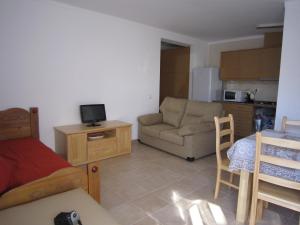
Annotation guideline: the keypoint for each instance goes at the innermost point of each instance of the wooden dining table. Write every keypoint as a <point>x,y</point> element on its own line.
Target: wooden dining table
<point>242,158</point>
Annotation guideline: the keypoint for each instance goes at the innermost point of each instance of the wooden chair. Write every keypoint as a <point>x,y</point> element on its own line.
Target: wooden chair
<point>285,123</point>
<point>224,140</point>
<point>273,189</point>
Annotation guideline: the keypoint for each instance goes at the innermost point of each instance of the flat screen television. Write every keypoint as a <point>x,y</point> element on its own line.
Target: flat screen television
<point>92,114</point>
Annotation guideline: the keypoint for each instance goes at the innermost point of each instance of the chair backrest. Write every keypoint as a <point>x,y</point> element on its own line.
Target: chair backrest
<point>285,123</point>
<point>222,133</point>
<point>284,144</point>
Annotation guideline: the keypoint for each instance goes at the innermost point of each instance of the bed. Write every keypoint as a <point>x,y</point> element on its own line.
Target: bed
<point>42,211</point>
<point>19,131</point>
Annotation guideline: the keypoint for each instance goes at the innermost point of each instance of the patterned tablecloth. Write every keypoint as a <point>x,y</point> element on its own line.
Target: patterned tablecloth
<point>242,155</point>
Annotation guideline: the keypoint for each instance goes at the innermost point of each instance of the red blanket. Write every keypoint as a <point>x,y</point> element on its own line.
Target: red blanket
<point>24,160</point>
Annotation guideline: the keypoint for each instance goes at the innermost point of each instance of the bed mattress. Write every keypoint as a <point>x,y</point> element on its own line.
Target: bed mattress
<point>25,160</point>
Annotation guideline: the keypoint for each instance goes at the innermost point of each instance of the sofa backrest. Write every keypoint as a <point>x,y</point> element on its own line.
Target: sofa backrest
<point>173,110</point>
<point>198,112</point>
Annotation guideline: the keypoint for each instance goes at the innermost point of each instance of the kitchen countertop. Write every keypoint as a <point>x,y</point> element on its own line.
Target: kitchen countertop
<point>254,104</point>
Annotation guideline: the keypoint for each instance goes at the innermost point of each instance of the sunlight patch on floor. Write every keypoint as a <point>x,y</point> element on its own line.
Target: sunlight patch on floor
<point>218,214</point>
<point>201,212</point>
<point>195,215</point>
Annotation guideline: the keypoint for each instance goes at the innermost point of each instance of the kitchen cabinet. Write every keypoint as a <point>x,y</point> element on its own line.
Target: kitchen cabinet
<point>243,115</point>
<point>251,64</point>
<point>230,65</point>
<point>273,39</point>
<point>270,64</point>
<point>248,66</point>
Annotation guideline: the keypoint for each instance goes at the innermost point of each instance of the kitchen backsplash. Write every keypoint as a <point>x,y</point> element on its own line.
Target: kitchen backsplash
<point>266,90</point>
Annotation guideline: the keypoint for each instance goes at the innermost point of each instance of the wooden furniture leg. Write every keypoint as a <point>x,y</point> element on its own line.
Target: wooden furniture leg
<point>94,180</point>
<point>231,178</point>
<point>217,189</point>
<point>244,197</point>
<point>259,210</point>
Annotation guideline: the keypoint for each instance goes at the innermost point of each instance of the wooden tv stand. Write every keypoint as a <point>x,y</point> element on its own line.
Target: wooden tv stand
<point>85,146</point>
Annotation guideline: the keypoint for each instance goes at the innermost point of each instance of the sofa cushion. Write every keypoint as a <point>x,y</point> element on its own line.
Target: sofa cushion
<point>173,110</point>
<point>197,112</point>
<point>150,119</point>
<point>196,128</point>
<point>190,119</point>
<point>154,130</point>
<point>171,136</point>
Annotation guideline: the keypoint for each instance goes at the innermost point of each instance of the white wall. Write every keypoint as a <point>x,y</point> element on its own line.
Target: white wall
<point>267,90</point>
<point>289,82</point>
<point>57,57</point>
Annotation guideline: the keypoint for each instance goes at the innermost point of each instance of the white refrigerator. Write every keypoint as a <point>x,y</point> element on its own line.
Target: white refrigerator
<point>206,84</point>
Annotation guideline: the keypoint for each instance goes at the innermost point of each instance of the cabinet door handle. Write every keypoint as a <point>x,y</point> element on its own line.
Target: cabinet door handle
<point>94,169</point>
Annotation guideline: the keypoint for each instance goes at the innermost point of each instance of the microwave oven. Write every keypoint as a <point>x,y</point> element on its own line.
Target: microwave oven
<point>235,96</point>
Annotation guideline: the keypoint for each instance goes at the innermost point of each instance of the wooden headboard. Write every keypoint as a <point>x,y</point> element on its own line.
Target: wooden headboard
<point>19,123</point>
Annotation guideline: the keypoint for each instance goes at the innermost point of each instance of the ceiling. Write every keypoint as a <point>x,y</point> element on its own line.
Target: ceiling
<point>205,19</point>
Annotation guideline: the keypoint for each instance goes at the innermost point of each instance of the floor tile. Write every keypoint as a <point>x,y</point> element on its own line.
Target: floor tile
<point>172,215</point>
<point>129,191</point>
<point>127,214</point>
<point>110,199</point>
<point>150,203</point>
<point>152,187</point>
<point>148,220</point>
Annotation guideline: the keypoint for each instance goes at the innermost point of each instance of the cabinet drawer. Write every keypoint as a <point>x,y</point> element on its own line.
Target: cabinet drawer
<point>100,149</point>
<point>233,107</point>
<point>244,108</point>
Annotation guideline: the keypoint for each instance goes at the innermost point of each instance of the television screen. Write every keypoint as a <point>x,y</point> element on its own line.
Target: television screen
<point>92,113</point>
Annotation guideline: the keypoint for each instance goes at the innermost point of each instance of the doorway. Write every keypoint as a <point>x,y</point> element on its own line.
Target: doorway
<point>174,70</point>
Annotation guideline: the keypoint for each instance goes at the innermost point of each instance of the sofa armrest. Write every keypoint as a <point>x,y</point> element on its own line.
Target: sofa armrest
<point>150,119</point>
<point>196,128</point>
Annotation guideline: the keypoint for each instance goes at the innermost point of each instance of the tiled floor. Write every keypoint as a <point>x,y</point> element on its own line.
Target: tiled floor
<point>150,187</point>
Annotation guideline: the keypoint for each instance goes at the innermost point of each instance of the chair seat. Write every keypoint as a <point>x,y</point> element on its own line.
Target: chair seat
<point>225,166</point>
<point>279,195</point>
<point>225,163</point>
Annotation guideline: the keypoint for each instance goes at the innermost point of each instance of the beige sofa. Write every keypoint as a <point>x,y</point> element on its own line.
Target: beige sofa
<point>183,127</point>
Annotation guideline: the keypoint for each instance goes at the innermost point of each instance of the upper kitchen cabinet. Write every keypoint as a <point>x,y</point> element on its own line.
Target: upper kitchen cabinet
<point>273,39</point>
<point>230,65</point>
<point>251,64</point>
<point>248,67</point>
<point>270,63</point>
